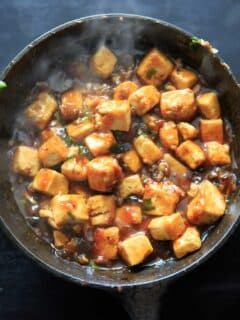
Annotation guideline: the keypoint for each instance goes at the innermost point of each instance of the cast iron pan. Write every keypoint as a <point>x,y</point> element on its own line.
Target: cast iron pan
<point>141,289</point>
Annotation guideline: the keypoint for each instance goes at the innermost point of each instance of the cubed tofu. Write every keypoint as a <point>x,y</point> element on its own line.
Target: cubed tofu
<point>191,153</point>
<point>183,78</point>
<point>99,143</point>
<point>60,239</point>
<point>47,134</point>
<point>115,115</point>
<point>211,130</point>
<point>209,105</point>
<point>40,112</point>
<point>50,182</point>
<point>128,214</point>
<point>71,104</point>
<point>135,249</point>
<point>168,227</point>
<point>69,209</point>
<point>153,122</point>
<point>144,99</point>
<point>25,161</point>
<point>178,105</point>
<point>155,67</point>
<point>189,241</point>
<point>176,168</point>
<point>207,206</point>
<point>147,149</point>
<point>103,173</point>
<point>124,90</point>
<point>78,131</point>
<point>164,198</point>
<point>52,152</point>
<point>106,242</point>
<point>187,131</point>
<point>101,209</point>
<point>75,169</point>
<point>193,190</point>
<point>92,102</point>
<point>103,62</point>
<point>132,160</point>
<point>168,135</point>
<point>130,185</point>
<point>218,154</point>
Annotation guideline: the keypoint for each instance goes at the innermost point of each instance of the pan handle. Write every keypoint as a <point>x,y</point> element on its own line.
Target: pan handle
<point>144,302</point>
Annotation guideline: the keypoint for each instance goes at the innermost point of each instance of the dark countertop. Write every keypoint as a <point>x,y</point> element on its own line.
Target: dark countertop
<point>28,292</point>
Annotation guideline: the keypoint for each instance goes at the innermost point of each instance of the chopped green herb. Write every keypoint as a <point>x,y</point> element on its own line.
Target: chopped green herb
<point>84,151</point>
<point>71,215</point>
<point>148,205</point>
<point>195,41</point>
<point>116,148</point>
<point>3,84</point>
<point>118,134</point>
<point>150,73</point>
<point>23,202</point>
<point>94,266</point>
<point>71,157</point>
<point>68,140</point>
<point>58,117</point>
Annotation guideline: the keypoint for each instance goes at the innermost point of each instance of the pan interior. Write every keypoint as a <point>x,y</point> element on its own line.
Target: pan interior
<point>126,34</point>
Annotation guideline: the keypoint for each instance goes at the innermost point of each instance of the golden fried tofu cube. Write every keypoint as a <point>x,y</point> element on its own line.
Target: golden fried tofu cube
<point>103,173</point>
<point>176,168</point>
<point>218,154</point>
<point>209,105</point>
<point>191,153</point>
<point>189,241</point>
<point>103,62</point>
<point>135,249</point>
<point>50,182</point>
<point>75,169</point>
<point>78,131</point>
<point>153,122</point>
<point>40,112</point>
<point>144,99</point>
<point>207,206</point>
<point>106,242</point>
<point>71,104</point>
<point>178,105</point>
<point>93,101</point>
<point>130,185</point>
<point>25,161</point>
<point>124,90</point>
<point>155,67</point>
<point>52,152</point>
<point>128,214</point>
<point>132,160</point>
<point>101,209</point>
<point>60,239</point>
<point>183,78</point>
<point>46,134</point>
<point>168,135</point>
<point>69,209</point>
<point>164,197</point>
<point>211,130</point>
<point>193,190</point>
<point>187,131</point>
<point>99,143</point>
<point>115,115</point>
<point>147,149</point>
<point>167,227</point>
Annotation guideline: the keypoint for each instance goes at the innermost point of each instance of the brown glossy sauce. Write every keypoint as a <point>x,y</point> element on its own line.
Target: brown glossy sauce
<point>82,242</point>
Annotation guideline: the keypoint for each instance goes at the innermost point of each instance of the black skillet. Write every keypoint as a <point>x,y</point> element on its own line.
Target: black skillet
<point>140,289</point>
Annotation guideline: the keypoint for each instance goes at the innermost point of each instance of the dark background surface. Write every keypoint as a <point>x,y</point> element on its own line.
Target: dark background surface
<point>28,292</point>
